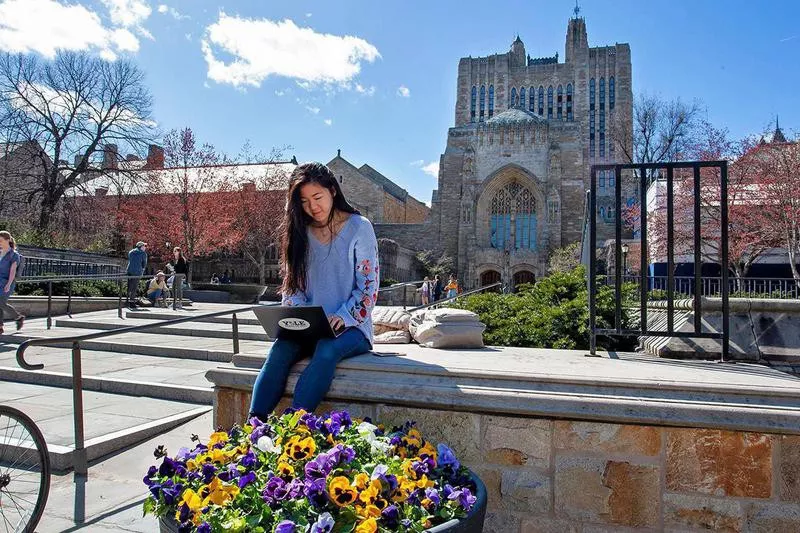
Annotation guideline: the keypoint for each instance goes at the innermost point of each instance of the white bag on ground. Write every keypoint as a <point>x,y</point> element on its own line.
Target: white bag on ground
<point>390,325</point>
<point>392,337</point>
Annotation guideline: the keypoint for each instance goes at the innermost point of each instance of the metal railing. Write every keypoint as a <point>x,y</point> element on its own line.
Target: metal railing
<point>773,288</point>
<point>444,301</point>
<point>70,280</point>
<point>642,171</point>
<point>80,459</point>
<point>44,266</point>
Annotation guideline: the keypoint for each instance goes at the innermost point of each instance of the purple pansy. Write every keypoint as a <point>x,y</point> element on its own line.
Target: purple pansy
<point>433,495</point>
<point>391,516</point>
<point>447,458</point>
<point>275,491</point>
<point>246,479</point>
<point>464,497</point>
<point>314,490</point>
<point>205,527</point>
<point>324,524</point>
<point>285,526</point>
<point>249,459</point>
<point>209,471</point>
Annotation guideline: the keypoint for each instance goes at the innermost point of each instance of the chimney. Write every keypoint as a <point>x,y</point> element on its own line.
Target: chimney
<point>101,191</point>
<point>110,157</point>
<point>339,153</point>
<point>155,157</point>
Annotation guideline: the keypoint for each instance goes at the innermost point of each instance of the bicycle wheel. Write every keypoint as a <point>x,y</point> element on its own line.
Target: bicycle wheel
<point>24,472</point>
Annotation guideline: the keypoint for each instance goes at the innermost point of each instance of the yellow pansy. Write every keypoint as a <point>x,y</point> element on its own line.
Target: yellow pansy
<point>370,525</point>
<point>370,494</point>
<point>368,511</point>
<point>299,449</point>
<point>430,451</point>
<point>192,500</point>
<point>408,470</point>
<point>361,481</point>
<point>285,470</point>
<point>341,491</point>
<point>216,438</point>
<point>424,482</point>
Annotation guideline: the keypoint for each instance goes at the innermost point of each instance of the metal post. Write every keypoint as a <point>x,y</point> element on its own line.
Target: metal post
<point>618,271</point>
<point>723,202</point>
<point>235,326</point>
<point>69,299</point>
<point>79,455</point>
<point>643,246</point>
<point>670,252</point>
<point>592,261</point>
<point>49,303</point>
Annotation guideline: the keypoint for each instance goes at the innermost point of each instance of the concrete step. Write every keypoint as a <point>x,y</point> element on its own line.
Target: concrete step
<point>112,422</point>
<point>245,318</point>
<point>217,330</point>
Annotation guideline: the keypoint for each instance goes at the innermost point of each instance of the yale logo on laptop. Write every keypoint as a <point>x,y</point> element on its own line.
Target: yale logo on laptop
<point>294,324</point>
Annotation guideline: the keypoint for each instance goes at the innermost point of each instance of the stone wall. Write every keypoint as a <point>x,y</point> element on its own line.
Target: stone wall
<point>551,475</point>
<point>362,193</point>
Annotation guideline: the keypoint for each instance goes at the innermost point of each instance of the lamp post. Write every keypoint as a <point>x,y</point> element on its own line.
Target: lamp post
<point>624,259</point>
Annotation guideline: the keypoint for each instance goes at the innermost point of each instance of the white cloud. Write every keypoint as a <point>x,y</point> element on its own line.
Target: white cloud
<point>328,122</point>
<point>262,48</point>
<point>404,91</point>
<point>177,15</point>
<point>46,26</point>
<point>417,163</point>
<point>188,36</point>
<point>432,169</point>
<point>127,13</point>
<point>369,91</point>
<point>280,93</point>
<point>308,15</point>
<point>314,110</point>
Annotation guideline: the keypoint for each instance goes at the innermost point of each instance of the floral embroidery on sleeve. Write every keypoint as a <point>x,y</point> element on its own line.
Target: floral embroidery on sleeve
<point>359,306</point>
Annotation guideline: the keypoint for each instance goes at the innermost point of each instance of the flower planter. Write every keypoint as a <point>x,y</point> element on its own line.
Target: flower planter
<point>472,523</point>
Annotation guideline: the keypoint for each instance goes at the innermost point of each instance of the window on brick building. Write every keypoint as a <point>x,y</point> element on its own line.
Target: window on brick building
<point>560,102</point>
<point>550,102</point>
<point>569,102</point>
<point>491,100</point>
<point>472,103</point>
<point>601,179</point>
<point>522,97</point>
<point>591,117</point>
<point>541,100</point>
<point>483,99</point>
<point>602,117</point>
<point>512,220</point>
<point>513,97</point>
<point>532,98</point>
<point>611,93</point>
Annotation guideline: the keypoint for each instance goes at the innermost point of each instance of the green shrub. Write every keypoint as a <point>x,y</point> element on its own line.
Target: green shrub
<point>388,281</point>
<point>553,313</point>
<point>93,288</point>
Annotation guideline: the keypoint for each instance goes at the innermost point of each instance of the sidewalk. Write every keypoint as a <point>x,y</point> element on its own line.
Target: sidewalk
<point>112,497</point>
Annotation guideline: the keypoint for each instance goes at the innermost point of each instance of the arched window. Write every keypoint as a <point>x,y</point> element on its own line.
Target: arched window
<point>602,117</point>
<point>513,97</point>
<point>483,101</point>
<point>603,214</point>
<point>569,102</point>
<point>491,100</point>
<point>472,103</point>
<point>522,97</point>
<point>560,102</point>
<point>591,117</point>
<point>532,97</point>
<point>513,218</point>
<point>611,93</point>
<point>541,100</point>
<point>550,102</point>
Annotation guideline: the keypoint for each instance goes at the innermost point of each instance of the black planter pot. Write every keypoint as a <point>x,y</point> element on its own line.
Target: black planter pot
<point>472,523</point>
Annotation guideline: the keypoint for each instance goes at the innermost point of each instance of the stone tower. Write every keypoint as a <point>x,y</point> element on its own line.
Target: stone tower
<point>513,176</point>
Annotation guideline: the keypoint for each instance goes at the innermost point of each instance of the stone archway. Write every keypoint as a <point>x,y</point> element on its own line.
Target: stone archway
<point>524,276</point>
<point>488,277</point>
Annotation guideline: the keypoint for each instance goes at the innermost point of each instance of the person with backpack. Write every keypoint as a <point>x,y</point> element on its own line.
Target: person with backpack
<point>10,265</point>
<point>137,261</point>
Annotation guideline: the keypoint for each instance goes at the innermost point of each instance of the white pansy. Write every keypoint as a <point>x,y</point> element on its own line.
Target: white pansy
<point>266,445</point>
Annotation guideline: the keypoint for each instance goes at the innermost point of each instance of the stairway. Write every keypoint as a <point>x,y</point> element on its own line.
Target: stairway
<point>136,385</point>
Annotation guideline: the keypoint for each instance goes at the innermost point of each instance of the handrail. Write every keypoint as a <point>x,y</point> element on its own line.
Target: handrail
<point>44,341</point>
<point>453,298</point>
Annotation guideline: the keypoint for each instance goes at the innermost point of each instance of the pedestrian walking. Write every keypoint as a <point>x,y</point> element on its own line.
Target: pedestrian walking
<point>437,288</point>
<point>137,262</point>
<point>426,291</point>
<point>10,261</point>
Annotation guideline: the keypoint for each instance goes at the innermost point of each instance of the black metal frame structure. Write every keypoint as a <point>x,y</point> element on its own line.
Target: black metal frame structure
<point>643,170</point>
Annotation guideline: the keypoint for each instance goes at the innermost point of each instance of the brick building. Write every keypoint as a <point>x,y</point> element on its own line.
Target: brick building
<point>513,176</point>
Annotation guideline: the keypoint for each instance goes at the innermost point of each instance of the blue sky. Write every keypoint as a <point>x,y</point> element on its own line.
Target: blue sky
<point>377,79</point>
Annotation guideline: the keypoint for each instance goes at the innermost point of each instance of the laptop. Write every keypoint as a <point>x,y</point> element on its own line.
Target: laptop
<point>297,323</point>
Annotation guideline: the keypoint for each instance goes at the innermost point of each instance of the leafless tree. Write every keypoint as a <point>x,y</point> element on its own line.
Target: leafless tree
<point>65,111</point>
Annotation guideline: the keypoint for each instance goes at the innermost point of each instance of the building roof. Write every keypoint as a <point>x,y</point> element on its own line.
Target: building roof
<point>387,184</point>
<point>515,115</point>
<point>775,136</point>
<point>202,179</point>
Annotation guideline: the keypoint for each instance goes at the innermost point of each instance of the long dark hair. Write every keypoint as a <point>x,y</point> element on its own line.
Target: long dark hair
<point>293,230</point>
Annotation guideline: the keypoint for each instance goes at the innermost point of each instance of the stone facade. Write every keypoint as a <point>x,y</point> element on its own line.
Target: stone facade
<point>556,475</point>
<point>513,176</point>
<point>377,197</point>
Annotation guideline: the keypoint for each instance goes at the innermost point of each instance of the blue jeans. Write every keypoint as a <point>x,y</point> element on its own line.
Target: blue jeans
<point>315,380</point>
<point>155,295</point>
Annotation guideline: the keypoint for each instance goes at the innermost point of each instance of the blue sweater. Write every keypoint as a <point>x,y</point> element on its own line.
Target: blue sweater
<point>342,276</point>
<point>137,261</point>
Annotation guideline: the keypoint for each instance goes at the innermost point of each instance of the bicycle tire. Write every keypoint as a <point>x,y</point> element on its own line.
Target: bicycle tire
<point>17,427</point>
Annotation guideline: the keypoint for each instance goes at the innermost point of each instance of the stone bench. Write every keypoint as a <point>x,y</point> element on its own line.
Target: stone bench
<point>619,441</point>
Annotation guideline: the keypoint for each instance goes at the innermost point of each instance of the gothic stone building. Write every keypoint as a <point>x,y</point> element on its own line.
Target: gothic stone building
<point>513,176</point>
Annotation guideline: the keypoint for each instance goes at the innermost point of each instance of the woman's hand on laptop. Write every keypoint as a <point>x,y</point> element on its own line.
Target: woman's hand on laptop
<point>336,322</point>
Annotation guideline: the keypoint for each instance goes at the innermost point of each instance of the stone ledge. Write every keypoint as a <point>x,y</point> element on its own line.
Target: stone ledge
<point>625,388</point>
